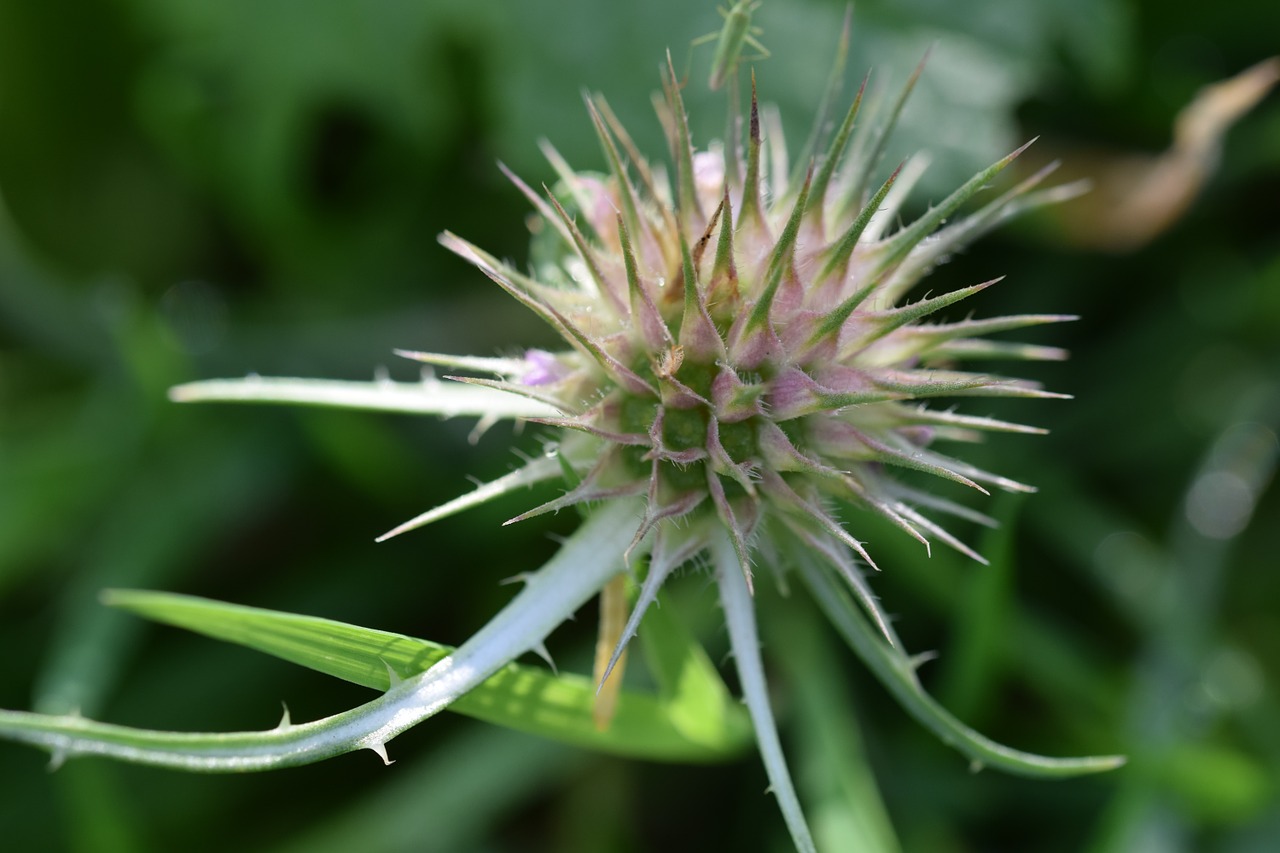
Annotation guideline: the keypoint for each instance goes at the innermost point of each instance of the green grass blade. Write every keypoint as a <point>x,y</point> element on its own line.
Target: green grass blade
<point>983,619</point>
<point>832,770</point>
<point>518,697</point>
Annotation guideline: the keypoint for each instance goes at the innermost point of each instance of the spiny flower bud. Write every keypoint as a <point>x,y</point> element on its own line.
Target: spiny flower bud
<point>739,348</point>
<point>741,355</point>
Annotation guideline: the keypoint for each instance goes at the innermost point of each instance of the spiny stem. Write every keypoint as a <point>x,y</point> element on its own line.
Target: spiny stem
<point>583,565</point>
<point>739,613</point>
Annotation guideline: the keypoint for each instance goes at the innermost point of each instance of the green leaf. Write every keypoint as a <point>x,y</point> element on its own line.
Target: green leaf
<point>896,671</point>
<point>519,697</point>
<point>697,701</point>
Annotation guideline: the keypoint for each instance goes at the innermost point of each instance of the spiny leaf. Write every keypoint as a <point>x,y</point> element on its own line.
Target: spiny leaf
<point>780,259</point>
<point>739,611</point>
<point>535,472</point>
<point>429,397</point>
<point>833,156</point>
<point>686,197</point>
<point>899,245</point>
<point>835,80</point>
<point>838,253</point>
<point>896,672</point>
<point>628,194</point>
<point>861,170</point>
<point>752,207</point>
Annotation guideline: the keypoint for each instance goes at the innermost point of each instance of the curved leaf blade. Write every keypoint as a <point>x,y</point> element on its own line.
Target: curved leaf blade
<point>519,697</point>
<point>896,671</point>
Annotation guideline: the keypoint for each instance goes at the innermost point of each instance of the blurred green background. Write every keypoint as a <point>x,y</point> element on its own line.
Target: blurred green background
<point>196,189</point>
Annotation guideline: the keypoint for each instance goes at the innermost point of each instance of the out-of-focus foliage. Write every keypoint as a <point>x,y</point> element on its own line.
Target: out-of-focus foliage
<point>198,189</point>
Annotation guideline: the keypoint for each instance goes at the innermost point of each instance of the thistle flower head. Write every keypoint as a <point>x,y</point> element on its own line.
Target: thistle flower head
<point>741,350</point>
<point>743,354</point>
